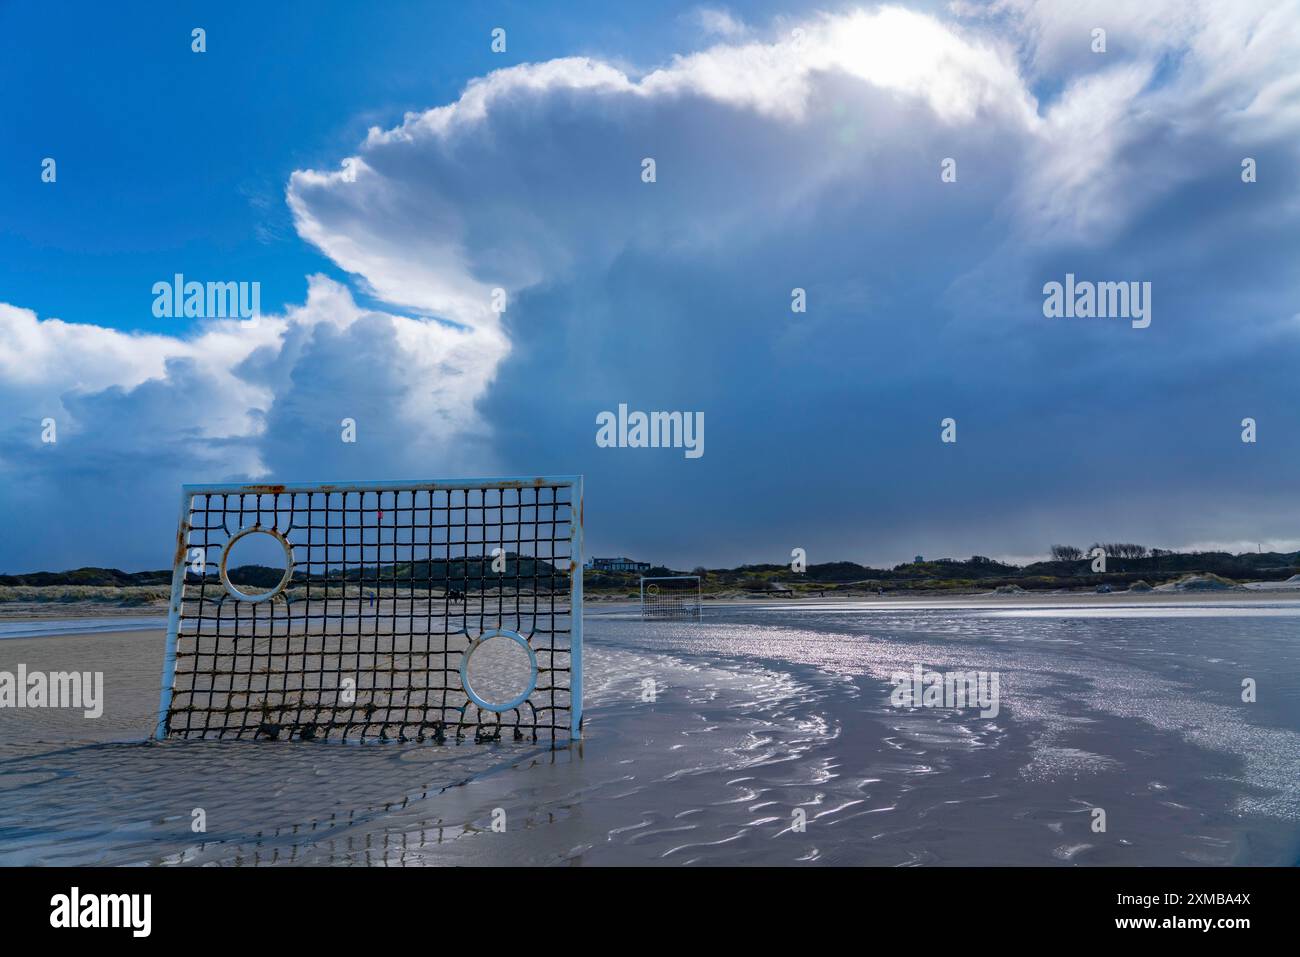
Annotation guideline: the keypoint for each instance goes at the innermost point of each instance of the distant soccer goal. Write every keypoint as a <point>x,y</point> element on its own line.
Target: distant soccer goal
<point>433,610</point>
<point>675,596</point>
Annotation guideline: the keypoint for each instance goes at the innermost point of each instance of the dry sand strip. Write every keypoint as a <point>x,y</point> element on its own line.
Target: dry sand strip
<point>131,663</point>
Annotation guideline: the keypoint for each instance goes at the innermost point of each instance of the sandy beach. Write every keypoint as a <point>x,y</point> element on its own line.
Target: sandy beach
<point>1253,591</point>
<point>705,740</point>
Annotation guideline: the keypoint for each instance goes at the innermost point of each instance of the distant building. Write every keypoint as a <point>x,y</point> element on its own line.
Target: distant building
<point>919,559</point>
<point>617,565</point>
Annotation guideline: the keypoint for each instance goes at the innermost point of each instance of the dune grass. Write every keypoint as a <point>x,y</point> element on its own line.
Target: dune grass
<point>120,596</point>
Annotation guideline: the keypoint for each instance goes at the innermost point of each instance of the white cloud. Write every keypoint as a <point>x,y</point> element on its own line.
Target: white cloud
<point>1184,73</point>
<point>44,362</point>
<point>718,22</point>
<point>483,192</point>
<point>223,381</point>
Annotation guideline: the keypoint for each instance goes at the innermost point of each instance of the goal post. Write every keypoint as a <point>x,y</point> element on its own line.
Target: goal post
<point>671,596</point>
<point>404,611</point>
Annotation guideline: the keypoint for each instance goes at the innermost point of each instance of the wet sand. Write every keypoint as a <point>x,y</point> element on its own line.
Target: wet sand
<point>705,743</point>
<point>1256,591</point>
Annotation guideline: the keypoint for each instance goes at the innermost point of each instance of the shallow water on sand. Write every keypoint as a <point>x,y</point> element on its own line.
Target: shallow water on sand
<point>707,742</point>
<point>38,628</point>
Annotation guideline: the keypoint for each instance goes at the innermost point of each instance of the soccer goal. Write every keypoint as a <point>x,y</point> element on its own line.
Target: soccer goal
<point>675,596</point>
<point>392,611</point>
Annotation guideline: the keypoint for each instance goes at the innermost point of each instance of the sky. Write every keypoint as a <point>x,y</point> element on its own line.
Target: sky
<point>462,250</point>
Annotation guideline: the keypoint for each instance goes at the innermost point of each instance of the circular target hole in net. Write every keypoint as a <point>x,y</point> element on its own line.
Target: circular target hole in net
<point>256,564</point>
<point>499,671</point>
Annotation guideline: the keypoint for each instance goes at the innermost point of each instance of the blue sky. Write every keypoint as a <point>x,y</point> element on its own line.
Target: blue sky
<point>780,164</point>
<point>176,161</point>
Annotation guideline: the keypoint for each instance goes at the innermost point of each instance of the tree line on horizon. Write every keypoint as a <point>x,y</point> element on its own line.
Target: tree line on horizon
<point>1068,567</point>
<point>1066,561</point>
<point>437,570</point>
<point>1069,553</point>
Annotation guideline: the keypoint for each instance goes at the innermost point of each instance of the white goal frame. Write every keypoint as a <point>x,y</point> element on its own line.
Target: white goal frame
<point>287,644</point>
<point>688,607</point>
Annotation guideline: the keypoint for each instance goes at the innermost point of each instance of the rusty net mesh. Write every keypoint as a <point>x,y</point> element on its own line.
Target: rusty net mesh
<point>363,632</point>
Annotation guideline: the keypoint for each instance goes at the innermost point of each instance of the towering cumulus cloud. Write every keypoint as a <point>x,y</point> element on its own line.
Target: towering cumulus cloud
<point>805,153</point>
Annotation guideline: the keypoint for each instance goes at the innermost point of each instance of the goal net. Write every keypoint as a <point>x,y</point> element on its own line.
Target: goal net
<point>676,596</point>
<point>405,611</point>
